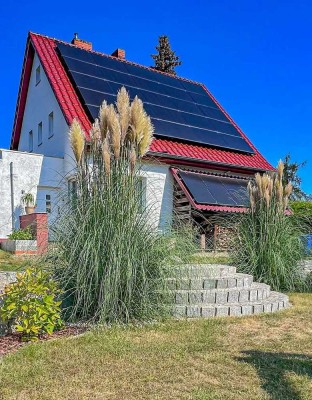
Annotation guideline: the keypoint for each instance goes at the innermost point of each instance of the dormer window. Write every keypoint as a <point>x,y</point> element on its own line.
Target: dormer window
<point>38,75</point>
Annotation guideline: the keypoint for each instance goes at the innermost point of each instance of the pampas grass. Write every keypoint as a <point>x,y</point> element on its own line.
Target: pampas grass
<point>267,242</point>
<point>111,262</point>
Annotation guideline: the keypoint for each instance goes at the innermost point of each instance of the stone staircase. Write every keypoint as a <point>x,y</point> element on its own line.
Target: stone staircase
<point>218,290</point>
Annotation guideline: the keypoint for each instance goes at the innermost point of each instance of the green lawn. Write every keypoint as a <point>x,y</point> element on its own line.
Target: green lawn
<point>9,262</point>
<point>263,357</point>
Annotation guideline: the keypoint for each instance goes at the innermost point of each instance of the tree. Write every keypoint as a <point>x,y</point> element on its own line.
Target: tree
<point>291,175</point>
<point>165,59</point>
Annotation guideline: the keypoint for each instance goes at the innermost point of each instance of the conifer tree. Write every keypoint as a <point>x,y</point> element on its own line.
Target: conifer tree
<point>165,60</point>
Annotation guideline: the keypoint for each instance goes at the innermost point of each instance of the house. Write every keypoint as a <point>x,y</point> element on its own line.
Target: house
<point>198,165</point>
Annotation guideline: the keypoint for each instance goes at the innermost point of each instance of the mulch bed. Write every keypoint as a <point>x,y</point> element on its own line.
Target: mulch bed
<point>12,342</point>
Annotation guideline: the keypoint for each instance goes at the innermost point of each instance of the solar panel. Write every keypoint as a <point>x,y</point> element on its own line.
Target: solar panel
<point>179,109</point>
<point>216,190</point>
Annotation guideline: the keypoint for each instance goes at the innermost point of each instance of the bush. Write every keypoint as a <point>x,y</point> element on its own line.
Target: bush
<point>302,214</point>
<point>30,306</point>
<point>21,234</point>
<point>268,243</point>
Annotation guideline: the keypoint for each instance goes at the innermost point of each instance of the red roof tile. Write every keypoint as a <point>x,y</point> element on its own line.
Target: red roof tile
<point>72,108</point>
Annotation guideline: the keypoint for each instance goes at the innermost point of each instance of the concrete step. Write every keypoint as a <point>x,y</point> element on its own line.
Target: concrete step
<point>236,280</point>
<point>276,301</point>
<point>254,292</point>
<point>207,270</point>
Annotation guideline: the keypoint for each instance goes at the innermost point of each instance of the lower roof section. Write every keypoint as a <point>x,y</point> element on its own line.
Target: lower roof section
<point>209,192</point>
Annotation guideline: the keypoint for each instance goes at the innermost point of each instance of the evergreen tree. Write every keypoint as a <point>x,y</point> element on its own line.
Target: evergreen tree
<point>165,59</point>
<point>291,175</point>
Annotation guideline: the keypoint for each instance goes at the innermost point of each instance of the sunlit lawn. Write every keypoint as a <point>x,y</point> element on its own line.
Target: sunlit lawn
<point>263,357</point>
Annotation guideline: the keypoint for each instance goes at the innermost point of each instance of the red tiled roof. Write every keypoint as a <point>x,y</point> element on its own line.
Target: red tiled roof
<point>72,108</point>
<point>204,207</point>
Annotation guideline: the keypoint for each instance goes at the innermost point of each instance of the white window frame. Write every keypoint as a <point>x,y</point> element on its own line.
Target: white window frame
<point>40,128</point>
<point>51,124</point>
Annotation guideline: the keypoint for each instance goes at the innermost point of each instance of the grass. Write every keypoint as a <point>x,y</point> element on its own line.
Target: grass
<point>10,262</point>
<point>210,258</point>
<point>261,357</point>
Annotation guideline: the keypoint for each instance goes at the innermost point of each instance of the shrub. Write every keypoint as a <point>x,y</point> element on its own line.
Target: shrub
<point>21,234</point>
<point>302,214</point>
<point>268,243</point>
<point>111,261</point>
<point>30,306</point>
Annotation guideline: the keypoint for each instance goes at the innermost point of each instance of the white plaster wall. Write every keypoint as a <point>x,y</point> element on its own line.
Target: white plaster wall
<point>39,104</point>
<point>29,171</point>
<point>159,193</point>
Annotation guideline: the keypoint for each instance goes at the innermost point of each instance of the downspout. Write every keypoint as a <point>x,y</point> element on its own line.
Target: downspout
<point>12,195</point>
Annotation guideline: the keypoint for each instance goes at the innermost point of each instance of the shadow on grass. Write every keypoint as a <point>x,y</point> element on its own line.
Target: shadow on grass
<point>272,369</point>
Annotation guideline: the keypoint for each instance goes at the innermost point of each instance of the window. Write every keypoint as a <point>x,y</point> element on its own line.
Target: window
<point>48,203</point>
<point>38,75</point>
<point>51,128</point>
<point>31,141</point>
<point>39,133</point>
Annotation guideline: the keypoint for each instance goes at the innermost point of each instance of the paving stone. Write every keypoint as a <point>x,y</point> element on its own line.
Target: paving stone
<point>183,284</point>
<point>260,294</point>
<point>222,311</point>
<point>181,298</point>
<point>243,296</point>
<point>209,297</point>
<point>208,312</point>
<point>247,281</point>
<point>196,284</point>
<point>193,311</point>
<point>274,306</point>
<point>246,309</point>
<point>253,295</point>
<point>179,311</point>
<point>209,284</point>
<point>195,298</point>
<point>221,284</point>
<point>235,310</point>
<point>233,296</point>
<point>240,283</point>
<point>231,283</point>
<point>267,307</point>
<point>221,297</point>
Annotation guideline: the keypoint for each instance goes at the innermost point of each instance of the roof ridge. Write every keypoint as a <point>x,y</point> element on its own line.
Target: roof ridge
<point>118,59</point>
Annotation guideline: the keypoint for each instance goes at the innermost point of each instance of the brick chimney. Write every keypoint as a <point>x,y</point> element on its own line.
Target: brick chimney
<point>81,43</point>
<point>119,53</point>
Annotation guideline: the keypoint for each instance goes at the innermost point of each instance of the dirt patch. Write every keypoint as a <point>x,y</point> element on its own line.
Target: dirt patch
<point>12,342</point>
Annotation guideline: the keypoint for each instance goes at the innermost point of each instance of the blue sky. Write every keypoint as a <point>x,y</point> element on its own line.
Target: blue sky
<point>255,56</point>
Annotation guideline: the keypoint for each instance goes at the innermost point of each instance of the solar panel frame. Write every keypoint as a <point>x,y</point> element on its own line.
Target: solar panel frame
<point>215,190</point>
<point>180,110</point>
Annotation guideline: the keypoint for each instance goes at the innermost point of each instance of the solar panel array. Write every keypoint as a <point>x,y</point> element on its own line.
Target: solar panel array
<point>211,190</point>
<point>179,109</point>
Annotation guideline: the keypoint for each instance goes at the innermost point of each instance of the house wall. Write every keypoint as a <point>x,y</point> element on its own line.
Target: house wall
<point>30,171</point>
<point>159,193</point>
<point>39,104</point>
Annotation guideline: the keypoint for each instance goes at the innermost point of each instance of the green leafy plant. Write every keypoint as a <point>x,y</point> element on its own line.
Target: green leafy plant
<point>30,305</point>
<point>28,199</point>
<point>268,241</point>
<point>21,234</point>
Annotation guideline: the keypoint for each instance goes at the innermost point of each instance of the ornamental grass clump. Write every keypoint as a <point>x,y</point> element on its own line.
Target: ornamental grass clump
<point>267,243</point>
<point>111,261</point>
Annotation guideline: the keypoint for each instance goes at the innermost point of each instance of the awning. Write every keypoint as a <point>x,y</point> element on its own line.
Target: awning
<point>213,192</point>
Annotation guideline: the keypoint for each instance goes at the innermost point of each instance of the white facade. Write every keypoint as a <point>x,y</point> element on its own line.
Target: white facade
<point>41,164</point>
<point>20,173</point>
